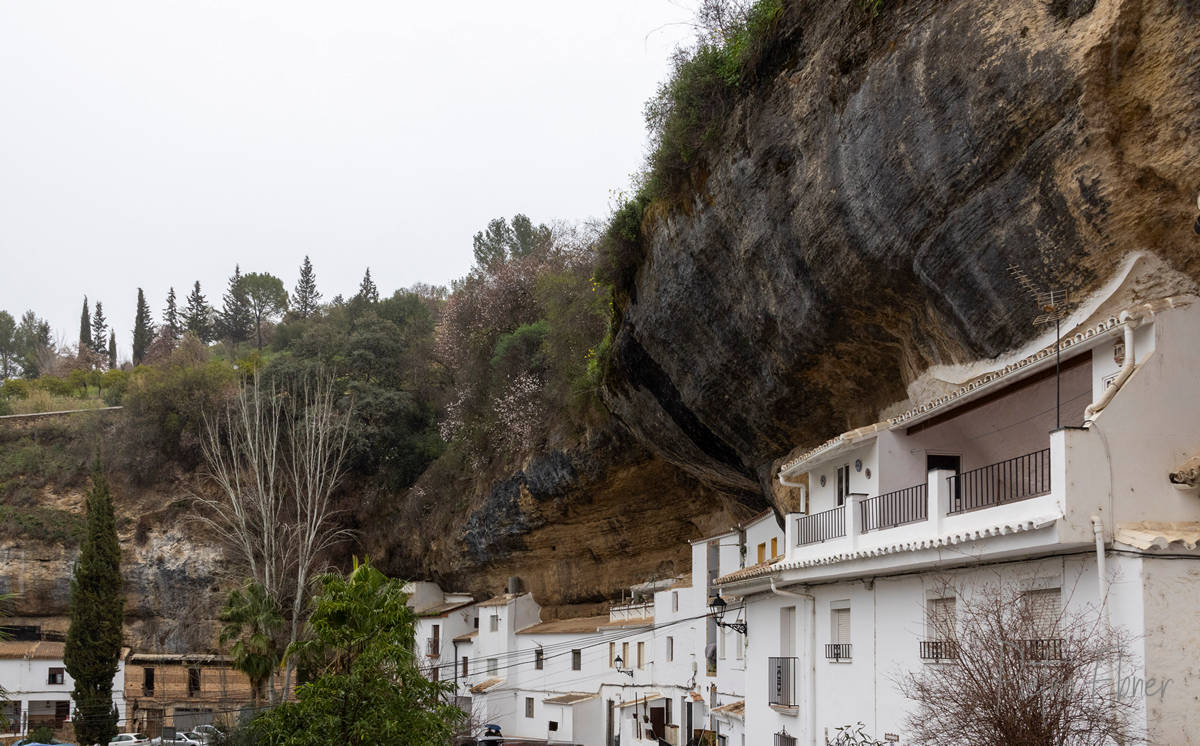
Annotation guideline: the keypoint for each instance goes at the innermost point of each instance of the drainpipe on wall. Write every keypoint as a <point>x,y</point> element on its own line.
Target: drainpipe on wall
<point>812,655</point>
<point>1130,323</point>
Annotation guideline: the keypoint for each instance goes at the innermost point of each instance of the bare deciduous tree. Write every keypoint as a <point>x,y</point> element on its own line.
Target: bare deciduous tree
<point>276,455</point>
<point>1020,668</point>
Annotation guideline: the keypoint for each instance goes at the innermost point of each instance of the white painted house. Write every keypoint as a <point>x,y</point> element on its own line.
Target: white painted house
<point>1074,504</point>
<point>38,688</point>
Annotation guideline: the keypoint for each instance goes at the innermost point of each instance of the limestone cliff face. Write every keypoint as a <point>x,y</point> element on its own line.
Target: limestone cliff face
<point>857,219</point>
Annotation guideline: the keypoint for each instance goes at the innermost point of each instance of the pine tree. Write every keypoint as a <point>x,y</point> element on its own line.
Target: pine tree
<point>85,329</point>
<point>171,316</point>
<point>97,611</point>
<point>143,328</point>
<point>235,316</point>
<point>306,298</point>
<point>112,350</point>
<point>99,329</point>
<point>367,290</point>
<point>196,315</point>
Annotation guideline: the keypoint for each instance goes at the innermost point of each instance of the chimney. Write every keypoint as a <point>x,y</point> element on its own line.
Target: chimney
<point>514,585</point>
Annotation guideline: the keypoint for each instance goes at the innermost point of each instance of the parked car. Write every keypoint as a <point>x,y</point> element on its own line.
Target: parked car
<point>31,742</point>
<point>180,739</point>
<point>129,739</point>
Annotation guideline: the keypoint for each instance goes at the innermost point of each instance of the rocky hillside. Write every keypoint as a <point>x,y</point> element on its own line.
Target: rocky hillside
<point>855,221</point>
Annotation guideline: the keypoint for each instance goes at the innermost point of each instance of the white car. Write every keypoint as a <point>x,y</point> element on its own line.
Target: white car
<point>129,739</point>
<point>180,739</point>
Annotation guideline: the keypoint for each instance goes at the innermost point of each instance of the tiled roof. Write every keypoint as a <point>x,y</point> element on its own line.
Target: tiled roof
<point>650,697</point>
<point>179,658</point>
<point>579,626</point>
<point>442,609</point>
<point>1159,535</point>
<point>486,684</point>
<point>644,621</point>
<point>502,599</point>
<point>36,650</point>
<point>1011,527</point>
<point>569,699</point>
<point>683,581</point>
<point>735,709</point>
<point>468,637</point>
<point>747,572</point>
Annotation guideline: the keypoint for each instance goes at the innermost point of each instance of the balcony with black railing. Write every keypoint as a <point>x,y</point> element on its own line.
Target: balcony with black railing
<point>823,526</point>
<point>896,508</point>
<point>781,682</point>
<point>837,651</point>
<point>1015,479</point>
<point>939,650</point>
<point>433,647</point>
<point>1045,649</point>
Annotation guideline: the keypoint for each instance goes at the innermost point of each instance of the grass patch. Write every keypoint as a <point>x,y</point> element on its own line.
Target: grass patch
<point>44,524</point>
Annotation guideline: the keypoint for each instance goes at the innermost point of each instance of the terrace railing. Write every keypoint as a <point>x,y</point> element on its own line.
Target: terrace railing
<point>837,651</point>
<point>781,682</point>
<point>828,524</point>
<point>1016,479</point>
<point>937,650</point>
<point>891,509</point>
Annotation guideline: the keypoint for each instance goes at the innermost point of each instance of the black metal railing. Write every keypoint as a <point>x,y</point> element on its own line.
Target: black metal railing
<point>433,647</point>
<point>1008,481</point>
<point>935,650</point>
<point>837,651</point>
<point>1047,649</point>
<point>891,509</point>
<point>828,524</point>
<point>783,739</point>
<point>781,682</point>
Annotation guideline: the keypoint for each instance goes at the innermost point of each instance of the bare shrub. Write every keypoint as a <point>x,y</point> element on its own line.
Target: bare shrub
<point>1020,668</point>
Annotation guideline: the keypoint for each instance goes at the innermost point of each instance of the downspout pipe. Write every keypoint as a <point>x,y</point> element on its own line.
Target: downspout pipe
<point>812,654</point>
<point>1130,322</point>
<point>1101,566</point>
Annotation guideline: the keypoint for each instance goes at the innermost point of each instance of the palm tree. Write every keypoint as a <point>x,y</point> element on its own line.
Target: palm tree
<point>253,622</point>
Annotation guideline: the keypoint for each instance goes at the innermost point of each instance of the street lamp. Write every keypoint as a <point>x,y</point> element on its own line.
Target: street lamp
<point>716,607</point>
<point>619,663</point>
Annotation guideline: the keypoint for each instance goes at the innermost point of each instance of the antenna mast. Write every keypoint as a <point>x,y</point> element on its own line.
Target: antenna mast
<point>1052,305</point>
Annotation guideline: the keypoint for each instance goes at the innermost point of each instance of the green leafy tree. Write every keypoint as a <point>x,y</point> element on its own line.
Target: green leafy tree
<point>171,322</point>
<point>112,350</point>
<point>197,315</point>
<point>85,328</point>
<point>9,345</point>
<point>365,686</point>
<point>33,341</point>
<point>527,238</point>
<point>491,244</point>
<point>253,621</point>
<point>99,330</point>
<point>235,315</point>
<point>306,298</point>
<point>143,328</point>
<point>367,291</point>
<point>265,299</point>
<point>97,611</point>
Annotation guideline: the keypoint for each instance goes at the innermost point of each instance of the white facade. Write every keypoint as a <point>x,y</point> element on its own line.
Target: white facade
<point>980,487</point>
<point>38,688</point>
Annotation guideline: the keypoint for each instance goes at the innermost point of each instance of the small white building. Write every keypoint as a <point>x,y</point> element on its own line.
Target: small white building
<point>38,688</point>
<point>1069,488</point>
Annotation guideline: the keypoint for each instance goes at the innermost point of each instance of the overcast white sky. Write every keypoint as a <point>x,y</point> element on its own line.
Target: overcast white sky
<point>155,143</point>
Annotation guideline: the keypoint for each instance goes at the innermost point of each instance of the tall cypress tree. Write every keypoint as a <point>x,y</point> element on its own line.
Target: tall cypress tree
<point>85,329</point>
<point>235,316</point>
<point>367,290</point>
<point>306,298</point>
<point>171,325</point>
<point>196,315</point>
<point>97,612</point>
<point>99,330</point>
<point>143,328</point>
<point>112,350</point>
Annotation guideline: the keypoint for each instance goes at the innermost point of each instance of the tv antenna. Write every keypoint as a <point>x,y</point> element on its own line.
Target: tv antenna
<point>1052,307</point>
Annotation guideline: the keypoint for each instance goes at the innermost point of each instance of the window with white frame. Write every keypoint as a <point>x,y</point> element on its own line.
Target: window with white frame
<point>494,623</point>
<point>670,649</point>
<point>838,648</point>
<point>493,666</point>
<point>674,600</point>
<point>940,619</point>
